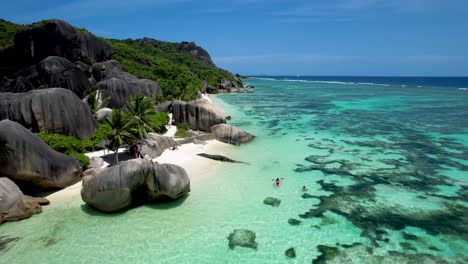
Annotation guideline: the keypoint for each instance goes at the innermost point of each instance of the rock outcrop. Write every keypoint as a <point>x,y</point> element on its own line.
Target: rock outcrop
<point>154,145</point>
<point>55,110</point>
<point>14,205</point>
<point>52,71</point>
<point>110,69</point>
<point>58,38</point>
<point>198,115</point>
<point>196,51</point>
<point>190,47</point>
<point>119,85</point>
<point>206,88</point>
<point>242,238</point>
<point>226,84</point>
<point>30,163</point>
<point>103,113</point>
<point>231,135</point>
<point>133,182</point>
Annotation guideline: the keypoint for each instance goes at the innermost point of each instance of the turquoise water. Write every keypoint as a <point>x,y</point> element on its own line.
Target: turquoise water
<point>386,168</point>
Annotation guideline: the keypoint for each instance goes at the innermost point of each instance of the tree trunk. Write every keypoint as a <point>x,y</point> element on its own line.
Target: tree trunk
<point>116,154</point>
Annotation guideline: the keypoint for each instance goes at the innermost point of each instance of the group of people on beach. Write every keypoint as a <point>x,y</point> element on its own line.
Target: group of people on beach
<point>278,183</point>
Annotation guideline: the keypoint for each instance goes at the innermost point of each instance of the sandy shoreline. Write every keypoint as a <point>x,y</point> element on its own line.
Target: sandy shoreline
<point>185,156</point>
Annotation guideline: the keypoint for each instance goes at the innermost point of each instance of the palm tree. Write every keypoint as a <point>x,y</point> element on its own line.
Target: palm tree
<point>121,131</point>
<point>94,101</point>
<point>141,109</point>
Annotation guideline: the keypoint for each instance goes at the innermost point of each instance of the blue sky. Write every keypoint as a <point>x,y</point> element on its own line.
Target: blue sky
<point>285,37</point>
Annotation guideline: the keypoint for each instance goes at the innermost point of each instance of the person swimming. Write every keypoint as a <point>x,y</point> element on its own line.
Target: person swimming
<point>304,189</point>
<point>277,181</point>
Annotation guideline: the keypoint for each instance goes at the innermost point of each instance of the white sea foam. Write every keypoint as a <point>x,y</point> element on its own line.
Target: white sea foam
<point>266,79</point>
<point>463,89</point>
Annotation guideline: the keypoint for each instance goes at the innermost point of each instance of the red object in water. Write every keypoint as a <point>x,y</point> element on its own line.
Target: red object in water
<point>278,182</point>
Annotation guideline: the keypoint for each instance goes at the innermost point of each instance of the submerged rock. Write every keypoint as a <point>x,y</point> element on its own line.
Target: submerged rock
<point>290,253</point>
<point>134,182</point>
<point>294,222</point>
<point>272,201</point>
<point>231,135</point>
<point>242,238</point>
<point>55,110</point>
<point>29,162</point>
<point>219,158</point>
<point>358,253</point>
<point>198,115</point>
<point>14,205</point>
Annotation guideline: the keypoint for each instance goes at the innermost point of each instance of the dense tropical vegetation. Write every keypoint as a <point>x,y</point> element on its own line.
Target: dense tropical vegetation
<point>73,146</point>
<point>179,74</point>
<point>121,128</point>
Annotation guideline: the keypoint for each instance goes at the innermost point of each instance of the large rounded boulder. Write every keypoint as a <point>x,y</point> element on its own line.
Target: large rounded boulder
<point>52,71</point>
<point>55,110</point>
<point>30,163</point>
<point>14,205</point>
<point>110,69</point>
<point>154,145</point>
<point>231,135</point>
<point>119,90</point>
<point>134,182</point>
<point>198,115</point>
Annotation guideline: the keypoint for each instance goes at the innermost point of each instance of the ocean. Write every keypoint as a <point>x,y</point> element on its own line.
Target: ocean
<point>384,159</point>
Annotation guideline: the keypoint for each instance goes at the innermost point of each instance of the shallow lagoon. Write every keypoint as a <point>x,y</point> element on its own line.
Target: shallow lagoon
<point>386,168</point>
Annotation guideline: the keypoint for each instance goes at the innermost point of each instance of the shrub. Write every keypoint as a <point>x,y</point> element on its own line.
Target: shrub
<point>73,146</point>
<point>183,131</point>
<point>82,158</point>
<point>159,122</point>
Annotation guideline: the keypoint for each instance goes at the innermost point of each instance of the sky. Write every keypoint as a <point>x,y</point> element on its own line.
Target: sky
<point>284,37</point>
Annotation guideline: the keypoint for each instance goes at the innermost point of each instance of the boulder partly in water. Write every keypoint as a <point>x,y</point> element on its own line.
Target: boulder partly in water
<point>231,135</point>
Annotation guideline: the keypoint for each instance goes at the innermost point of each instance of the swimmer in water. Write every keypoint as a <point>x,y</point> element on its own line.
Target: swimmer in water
<point>277,181</point>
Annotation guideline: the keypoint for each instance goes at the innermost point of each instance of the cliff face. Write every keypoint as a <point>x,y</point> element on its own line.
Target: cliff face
<point>54,37</point>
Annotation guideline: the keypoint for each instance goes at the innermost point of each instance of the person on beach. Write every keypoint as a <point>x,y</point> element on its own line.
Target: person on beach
<point>304,189</point>
<point>174,147</point>
<point>135,151</point>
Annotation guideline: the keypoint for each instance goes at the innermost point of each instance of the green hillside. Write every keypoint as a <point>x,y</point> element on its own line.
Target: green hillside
<point>178,73</point>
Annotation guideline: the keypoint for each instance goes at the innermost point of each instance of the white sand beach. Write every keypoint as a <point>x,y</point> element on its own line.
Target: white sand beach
<point>185,156</point>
